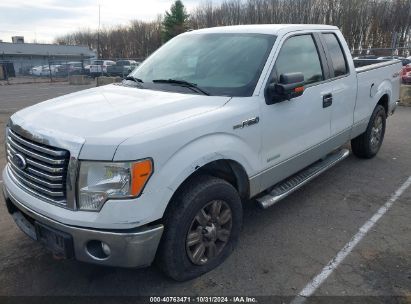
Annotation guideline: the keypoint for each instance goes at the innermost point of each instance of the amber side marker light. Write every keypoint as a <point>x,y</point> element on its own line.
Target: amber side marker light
<point>299,90</point>
<point>140,174</point>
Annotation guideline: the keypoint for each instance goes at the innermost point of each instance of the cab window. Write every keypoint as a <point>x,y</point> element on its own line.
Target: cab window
<point>299,54</point>
<point>338,60</point>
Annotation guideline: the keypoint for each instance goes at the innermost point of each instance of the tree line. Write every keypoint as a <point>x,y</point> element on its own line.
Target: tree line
<point>364,23</point>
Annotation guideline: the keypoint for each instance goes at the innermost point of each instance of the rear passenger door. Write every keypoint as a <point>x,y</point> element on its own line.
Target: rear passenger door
<point>344,85</point>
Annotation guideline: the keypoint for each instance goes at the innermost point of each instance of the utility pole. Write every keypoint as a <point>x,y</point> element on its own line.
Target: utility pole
<point>51,77</point>
<point>98,33</point>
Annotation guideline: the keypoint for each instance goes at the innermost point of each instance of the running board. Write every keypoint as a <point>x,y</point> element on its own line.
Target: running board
<point>291,184</point>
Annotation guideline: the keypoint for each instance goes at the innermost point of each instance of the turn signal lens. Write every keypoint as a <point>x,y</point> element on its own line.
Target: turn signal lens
<point>140,174</point>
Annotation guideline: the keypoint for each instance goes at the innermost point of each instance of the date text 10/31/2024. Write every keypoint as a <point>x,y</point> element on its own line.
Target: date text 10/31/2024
<point>200,299</point>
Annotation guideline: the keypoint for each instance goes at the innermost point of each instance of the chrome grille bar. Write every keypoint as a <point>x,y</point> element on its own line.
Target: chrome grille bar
<point>37,187</point>
<point>54,178</point>
<point>36,164</point>
<point>43,173</point>
<point>37,147</point>
<point>34,155</point>
<point>29,190</point>
<point>33,178</point>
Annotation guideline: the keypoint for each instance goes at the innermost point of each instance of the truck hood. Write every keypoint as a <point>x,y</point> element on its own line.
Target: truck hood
<point>103,117</point>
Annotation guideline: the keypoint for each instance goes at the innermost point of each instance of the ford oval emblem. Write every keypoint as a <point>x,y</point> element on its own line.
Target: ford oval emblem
<point>19,161</point>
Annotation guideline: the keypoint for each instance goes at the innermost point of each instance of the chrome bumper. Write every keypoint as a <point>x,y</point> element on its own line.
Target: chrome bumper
<point>128,248</point>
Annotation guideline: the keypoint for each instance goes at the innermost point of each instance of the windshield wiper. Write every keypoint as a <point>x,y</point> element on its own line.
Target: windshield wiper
<point>184,84</point>
<point>132,78</point>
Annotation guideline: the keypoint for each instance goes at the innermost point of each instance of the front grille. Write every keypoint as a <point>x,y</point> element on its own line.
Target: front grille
<point>39,169</point>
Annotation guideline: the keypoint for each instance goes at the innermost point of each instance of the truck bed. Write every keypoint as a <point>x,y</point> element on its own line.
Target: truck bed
<point>367,64</point>
<point>375,78</point>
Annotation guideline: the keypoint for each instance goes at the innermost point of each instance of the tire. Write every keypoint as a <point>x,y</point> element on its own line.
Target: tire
<point>369,143</point>
<point>177,252</point>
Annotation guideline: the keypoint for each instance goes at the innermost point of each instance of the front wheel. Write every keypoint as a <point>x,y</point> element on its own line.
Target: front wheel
<point>202,226</point>
<point>369,143</point>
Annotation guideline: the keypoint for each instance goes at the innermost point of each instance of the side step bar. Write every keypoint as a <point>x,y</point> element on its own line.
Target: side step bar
<point>291,184</point>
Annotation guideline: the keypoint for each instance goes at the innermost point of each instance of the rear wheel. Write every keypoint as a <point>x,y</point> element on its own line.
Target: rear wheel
<point>369,143</point>
<point>202,227</point>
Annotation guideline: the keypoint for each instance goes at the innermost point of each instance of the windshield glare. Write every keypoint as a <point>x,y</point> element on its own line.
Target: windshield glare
<point>223,64</point>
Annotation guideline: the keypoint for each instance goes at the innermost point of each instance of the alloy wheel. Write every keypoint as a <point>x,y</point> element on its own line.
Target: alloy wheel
<point>209,232</point>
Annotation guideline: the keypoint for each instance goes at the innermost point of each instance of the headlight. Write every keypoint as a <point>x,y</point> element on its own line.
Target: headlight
<point>100,181</point>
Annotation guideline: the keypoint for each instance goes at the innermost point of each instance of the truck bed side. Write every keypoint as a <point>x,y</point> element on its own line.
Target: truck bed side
<point>375,81</point>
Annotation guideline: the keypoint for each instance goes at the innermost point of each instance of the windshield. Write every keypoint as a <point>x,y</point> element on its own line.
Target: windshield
<point>222,64</point>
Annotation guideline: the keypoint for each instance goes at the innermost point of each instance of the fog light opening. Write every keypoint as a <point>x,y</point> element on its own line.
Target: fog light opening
<point>106,249</point>
<point>98,249</point>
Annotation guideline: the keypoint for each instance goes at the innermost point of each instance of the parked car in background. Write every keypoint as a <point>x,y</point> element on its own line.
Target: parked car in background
<point>49,70</point>
<point>406,79</point>
<point>36,70</point>
<point>406,69</point>
<point>406,74</point>
<point>122,68</point>
<point>70,68</point>
<point>44,70</point>
<point>86,69</point>
<point>406,61</point>
<point>99,67</point>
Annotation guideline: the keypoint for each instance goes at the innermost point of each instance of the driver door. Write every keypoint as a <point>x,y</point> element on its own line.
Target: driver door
<point>293,129</point>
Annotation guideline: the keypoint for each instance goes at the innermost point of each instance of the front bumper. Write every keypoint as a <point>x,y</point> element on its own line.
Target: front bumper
<point>128,248</point>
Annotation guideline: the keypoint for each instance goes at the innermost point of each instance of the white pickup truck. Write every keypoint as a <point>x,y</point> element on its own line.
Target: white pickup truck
<point>158,166</point>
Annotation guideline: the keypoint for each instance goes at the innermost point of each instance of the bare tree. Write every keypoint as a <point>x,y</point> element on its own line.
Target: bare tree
<point>365,23</point>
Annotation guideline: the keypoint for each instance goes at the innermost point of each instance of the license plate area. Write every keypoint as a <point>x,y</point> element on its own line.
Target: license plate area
<point>24,224</point>
<point>60,243</point>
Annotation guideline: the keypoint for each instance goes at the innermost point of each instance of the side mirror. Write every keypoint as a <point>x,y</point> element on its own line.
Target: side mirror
<point>290,85</point>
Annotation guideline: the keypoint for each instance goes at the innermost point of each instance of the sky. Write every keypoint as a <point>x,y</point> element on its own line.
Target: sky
<point>43,20</point>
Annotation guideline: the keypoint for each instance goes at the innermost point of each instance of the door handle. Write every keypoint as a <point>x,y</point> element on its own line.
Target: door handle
<point>327,100</point>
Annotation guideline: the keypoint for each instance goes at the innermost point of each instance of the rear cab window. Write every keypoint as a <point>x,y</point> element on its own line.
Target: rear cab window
<point>338,62</point>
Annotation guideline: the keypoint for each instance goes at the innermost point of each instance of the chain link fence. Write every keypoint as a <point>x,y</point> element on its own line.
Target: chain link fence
<point>28,70</point>
<point>49,69</point>
<point>401,53</point>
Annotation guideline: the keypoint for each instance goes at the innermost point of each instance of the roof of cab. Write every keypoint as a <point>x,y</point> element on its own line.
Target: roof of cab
<point>273,29</point>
